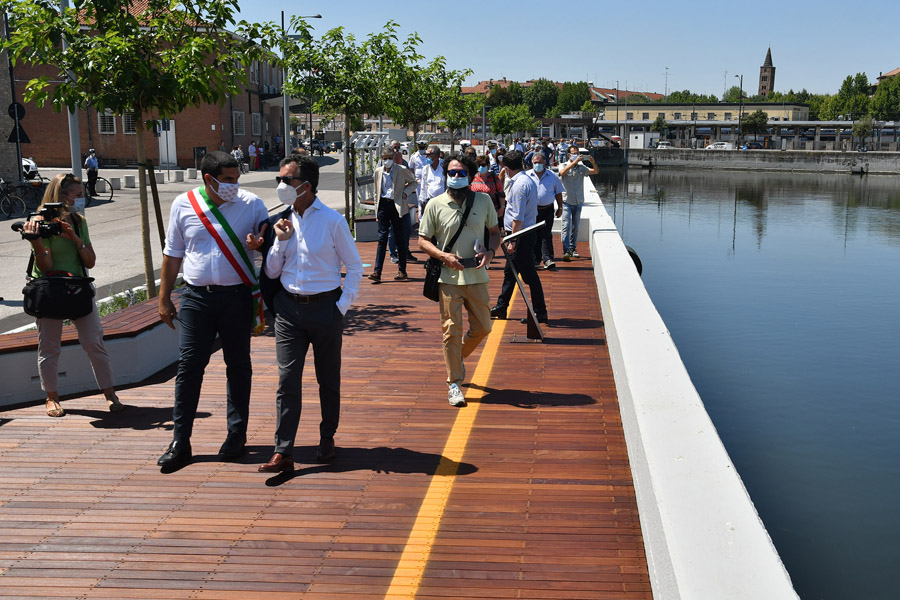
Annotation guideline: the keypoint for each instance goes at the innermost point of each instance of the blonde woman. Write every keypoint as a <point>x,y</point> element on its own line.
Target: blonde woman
<point>71,252</point>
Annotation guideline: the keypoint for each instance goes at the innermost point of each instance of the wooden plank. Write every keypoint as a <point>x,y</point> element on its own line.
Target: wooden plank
<point>542,505</point>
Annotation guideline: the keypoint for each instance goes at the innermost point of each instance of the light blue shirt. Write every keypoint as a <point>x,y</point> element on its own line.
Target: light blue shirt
<point>91,162</point>
<point>521,202</point>
<point>548,186</point>
<point>387,184</point>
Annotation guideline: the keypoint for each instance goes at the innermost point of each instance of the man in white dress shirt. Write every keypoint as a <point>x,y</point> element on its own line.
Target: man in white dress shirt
<point>307,256</point>
<point>217,299</point>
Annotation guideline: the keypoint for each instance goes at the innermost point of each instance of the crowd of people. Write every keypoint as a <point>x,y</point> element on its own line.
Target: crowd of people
<point>465,205</point>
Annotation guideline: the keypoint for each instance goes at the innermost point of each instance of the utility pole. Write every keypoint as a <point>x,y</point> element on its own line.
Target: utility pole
<point>667,84</point>
<point>74,133</point>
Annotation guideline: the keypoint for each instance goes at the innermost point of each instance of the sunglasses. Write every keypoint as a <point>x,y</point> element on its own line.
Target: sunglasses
<point>457,173</point>
<point>287,179</point>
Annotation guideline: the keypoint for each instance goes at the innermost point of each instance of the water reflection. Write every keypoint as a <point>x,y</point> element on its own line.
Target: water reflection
<point>781,293</point>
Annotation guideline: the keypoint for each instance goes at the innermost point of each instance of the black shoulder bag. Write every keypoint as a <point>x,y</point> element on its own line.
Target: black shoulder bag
<point>58,295</point>
<point>432,289</point>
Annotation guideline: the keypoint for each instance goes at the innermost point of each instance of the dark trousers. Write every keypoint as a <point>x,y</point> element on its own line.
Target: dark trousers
<point>389,218</point>
<point>297,325</point>
<point>407,231</point>
<point>543,248</point>
<point>92,181</point>
<point>202,315</point>
<point>524,261</point>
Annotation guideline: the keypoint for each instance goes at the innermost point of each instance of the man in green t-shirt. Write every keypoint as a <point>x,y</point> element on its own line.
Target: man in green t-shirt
<point>464,279</point>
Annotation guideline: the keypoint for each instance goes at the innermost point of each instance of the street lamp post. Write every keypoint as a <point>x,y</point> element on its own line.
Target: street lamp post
<point>285,99</point>
<point>483,128</point>
<point>740,108</point>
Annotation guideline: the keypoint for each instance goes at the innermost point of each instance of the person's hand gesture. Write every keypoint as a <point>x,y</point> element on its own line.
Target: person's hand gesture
<point>254,242</point>
<point>284,229</point>
<point>68,232</point>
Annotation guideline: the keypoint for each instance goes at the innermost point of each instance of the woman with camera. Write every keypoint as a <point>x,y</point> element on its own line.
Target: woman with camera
<point>69,251</point>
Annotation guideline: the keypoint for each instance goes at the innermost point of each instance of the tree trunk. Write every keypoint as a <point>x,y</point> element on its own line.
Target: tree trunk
<point>348,172</point>
<point>149,276</point>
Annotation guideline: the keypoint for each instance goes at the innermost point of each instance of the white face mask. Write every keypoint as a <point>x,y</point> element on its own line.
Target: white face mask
<point>228,192</point>
<point>388,163</point>
<point>287,194</point>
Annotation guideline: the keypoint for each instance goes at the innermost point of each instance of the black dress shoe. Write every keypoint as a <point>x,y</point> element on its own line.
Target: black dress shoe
<point>234,447</point>
<point>277,464</point>
<point>177,456</point>
<point>540,319</point>
<point>498,312</point>
<point>325,453</point>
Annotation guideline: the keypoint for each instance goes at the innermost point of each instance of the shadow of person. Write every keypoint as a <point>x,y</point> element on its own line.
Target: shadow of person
<point>139,418</point>
<point>379,460</point>
<point>531,400</point>
<point>379,317</point>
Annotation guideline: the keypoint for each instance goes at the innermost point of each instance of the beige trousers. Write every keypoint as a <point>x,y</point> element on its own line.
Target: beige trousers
<point>477,301</point>
<point>90,336</point>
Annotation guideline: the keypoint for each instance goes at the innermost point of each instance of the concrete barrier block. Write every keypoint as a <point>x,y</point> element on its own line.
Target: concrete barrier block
<point>178,176</point>
<point>115,182</point>
<point>192,173</point>
<point>130,181</point>
<point>160,178</point>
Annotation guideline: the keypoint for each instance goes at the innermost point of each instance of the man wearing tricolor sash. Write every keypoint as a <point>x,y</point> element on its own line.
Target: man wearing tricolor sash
<point>213,232</point>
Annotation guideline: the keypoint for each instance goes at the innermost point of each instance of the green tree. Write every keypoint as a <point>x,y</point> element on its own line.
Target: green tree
<point>886,101</point>
<point>588,106</point>
<point>516,93</point>
<point>659,125</point>
<point>572,96</point>
<point>154,63</point>
<point>637,99</point>
<point>863,128</point>
<point>506,120</point>
<point>541,97</point>
<point>853,98</point>
<point>687,96</point>
<point>733,94</point>
<point>499,96</point>
<point>459,110</point>
<point>755,123</point>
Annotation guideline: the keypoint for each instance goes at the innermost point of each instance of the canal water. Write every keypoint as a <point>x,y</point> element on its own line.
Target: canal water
<point>782,293</point>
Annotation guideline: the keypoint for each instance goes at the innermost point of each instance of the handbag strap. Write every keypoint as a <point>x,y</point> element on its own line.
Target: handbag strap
<point>76,220</point>
<point>470,200</point>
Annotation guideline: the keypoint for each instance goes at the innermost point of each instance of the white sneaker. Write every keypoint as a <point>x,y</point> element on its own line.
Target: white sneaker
<point>455,396</point>
<point>575,254</point>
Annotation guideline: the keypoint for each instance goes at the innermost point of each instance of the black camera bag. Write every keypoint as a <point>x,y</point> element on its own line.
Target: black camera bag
<point>58,295</point>
<point>432,287</point>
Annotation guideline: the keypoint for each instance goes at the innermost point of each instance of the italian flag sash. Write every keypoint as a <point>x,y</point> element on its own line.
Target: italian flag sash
<point>232,248</point>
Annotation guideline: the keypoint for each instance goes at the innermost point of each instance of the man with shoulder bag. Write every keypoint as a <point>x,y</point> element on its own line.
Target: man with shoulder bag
<point>457,220</point>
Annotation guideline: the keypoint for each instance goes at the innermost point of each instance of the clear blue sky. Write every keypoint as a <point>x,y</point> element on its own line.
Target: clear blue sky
<point>815,45</point>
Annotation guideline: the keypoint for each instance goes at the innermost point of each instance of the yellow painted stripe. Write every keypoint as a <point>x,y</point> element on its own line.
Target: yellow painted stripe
<point>411,568</point>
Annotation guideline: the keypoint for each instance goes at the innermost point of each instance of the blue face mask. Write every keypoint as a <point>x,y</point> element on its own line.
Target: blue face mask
<point>422,151</point>
<point>482,169</point>
<point>538,167</point>
<point>493,151</point>
<point>457,183</point>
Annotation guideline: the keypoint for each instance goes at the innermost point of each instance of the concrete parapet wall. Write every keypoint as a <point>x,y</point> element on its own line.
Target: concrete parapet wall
<point>702,535</point>
<point>797,161</point>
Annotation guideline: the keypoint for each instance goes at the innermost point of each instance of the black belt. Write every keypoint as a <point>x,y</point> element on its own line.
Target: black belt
<point>216,288</point>
<point>304,299</point>
<point>540,206</point>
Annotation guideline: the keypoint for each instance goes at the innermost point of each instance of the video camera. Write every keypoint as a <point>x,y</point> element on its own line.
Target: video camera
<point>49,224</point>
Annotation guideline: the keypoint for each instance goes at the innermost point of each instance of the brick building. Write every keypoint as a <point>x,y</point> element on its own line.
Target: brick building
<point>240,119</point>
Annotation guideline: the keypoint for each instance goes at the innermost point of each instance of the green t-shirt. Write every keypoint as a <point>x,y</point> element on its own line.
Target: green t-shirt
<point>65,253</point>
<point>441,220</point>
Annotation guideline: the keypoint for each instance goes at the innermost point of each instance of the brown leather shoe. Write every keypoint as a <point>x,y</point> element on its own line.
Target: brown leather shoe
<point>277,464</point>
<point>325,453</point>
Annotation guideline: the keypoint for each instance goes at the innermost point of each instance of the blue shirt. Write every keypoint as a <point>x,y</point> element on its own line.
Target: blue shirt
<point>548,186</point>
<point>521,202</point>
<point>91,162</point>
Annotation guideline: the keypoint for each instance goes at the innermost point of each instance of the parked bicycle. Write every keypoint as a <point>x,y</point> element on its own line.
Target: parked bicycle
<point>105,196</point>
<point>11,205</point>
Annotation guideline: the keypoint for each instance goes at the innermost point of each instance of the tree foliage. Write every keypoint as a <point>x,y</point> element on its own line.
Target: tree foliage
<point>516,93</point>
<point>886,101</point>
<point>153,63</point>
<point>863,128</point>
<point>733,94</point>
<point>687,96</point>
<point>458,111</point>
<point>659,125</point>
<point>755,123</point>
<point>512,119</point>
<point>541,97</point>
<point>499,96</point>
<point>572,96</point>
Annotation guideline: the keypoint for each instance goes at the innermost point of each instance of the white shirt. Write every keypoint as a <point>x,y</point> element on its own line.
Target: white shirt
<point>309,262</point>
<point>187,238</point>
<point>251,150</point>
<point>387,184</point>
<point>431,184</point>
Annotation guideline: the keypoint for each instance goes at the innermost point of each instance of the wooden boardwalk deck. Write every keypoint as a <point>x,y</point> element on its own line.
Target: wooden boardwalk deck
<point>525,493</point>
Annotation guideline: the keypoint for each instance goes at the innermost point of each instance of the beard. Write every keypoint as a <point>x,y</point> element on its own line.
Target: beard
<point>458,195</point>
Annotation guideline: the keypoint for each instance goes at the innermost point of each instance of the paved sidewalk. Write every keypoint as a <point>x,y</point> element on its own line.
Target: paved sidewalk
<point>524,493</point>
<point>116,233</point>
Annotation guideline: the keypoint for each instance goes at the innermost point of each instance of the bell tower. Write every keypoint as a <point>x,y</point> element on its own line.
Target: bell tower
<point>767,75</point>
